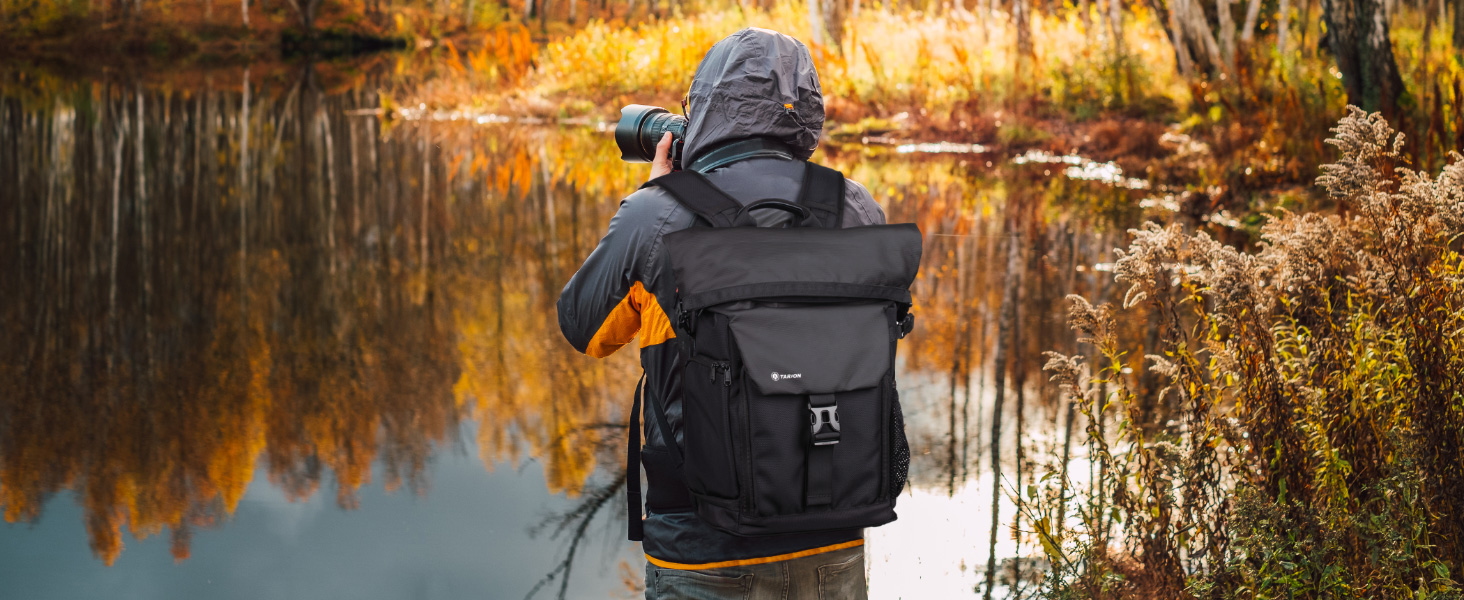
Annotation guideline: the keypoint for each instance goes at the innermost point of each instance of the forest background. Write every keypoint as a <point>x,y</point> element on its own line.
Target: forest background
<point>1279,415</point>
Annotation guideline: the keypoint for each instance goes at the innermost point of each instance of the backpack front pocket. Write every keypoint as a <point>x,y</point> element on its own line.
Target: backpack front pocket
<point>813,382</point>
<point>708,432</point>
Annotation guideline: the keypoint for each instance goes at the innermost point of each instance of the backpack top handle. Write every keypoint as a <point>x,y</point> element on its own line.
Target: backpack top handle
<point>821,198</point>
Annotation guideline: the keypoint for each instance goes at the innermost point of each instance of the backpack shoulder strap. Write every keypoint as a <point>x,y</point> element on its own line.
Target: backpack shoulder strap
<point>823,194</point>
<point>692,190</point>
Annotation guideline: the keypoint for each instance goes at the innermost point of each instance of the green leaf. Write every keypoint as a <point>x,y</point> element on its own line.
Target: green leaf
<point>1049,545</point>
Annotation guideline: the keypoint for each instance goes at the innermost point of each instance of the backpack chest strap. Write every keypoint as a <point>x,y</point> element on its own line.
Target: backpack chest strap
<point>824,425</point>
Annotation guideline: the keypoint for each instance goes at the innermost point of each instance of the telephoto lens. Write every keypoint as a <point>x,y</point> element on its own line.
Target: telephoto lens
<point>640,129</point>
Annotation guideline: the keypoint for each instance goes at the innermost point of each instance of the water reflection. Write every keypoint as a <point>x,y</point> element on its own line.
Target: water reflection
<point>259,273</point>
<point>211,280</point>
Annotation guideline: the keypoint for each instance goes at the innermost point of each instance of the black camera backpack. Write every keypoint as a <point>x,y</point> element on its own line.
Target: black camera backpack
<point>792,422</point>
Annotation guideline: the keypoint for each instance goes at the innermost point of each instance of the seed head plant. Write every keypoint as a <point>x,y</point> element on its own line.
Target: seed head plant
<point>1307,435</point>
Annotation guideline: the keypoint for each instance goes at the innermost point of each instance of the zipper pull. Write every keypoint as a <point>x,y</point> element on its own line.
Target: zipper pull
<point>715,367</point>
<point>727,368</point>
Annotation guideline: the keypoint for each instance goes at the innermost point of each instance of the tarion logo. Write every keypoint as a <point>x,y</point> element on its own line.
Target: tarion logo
<point>782,376</point>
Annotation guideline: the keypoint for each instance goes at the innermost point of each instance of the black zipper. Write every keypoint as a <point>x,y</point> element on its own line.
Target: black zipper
<point>728,445</point>
<point>749,498</point>
<point>710,364</point>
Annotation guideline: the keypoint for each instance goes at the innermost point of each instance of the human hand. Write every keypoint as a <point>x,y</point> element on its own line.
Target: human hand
<point>662,163</point>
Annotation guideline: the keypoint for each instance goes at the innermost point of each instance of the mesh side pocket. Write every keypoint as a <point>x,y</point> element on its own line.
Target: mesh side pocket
<point>900,449</point>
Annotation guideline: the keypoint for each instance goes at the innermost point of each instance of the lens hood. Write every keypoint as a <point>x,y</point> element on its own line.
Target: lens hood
<point>628,132</point>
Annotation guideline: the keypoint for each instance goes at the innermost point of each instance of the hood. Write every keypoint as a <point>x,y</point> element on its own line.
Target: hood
<point>741,88</point>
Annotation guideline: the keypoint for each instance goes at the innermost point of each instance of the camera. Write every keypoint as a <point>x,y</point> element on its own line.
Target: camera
<point>640,129</point>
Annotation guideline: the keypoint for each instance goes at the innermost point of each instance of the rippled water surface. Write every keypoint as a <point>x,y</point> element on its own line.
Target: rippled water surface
<point>261,342</point>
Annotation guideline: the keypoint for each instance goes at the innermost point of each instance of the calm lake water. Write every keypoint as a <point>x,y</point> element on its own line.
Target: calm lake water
<point>257,341</point>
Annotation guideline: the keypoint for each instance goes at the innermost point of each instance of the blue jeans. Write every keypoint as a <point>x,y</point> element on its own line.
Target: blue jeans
<point>837,575</point>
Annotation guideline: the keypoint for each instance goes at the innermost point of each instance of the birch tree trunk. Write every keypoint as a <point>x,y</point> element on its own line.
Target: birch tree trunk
<point>1182,59</point>
<point>1357,33</point>
<point>1227,32</point>
<point>1083,14</point>
<point>1201,38</point>
<point>815,22</point>
<point>1115,24</point>
<point>1022,16</point>
<point>1252,13</point>
<point>1283,27</point>
<point>1459,24</point>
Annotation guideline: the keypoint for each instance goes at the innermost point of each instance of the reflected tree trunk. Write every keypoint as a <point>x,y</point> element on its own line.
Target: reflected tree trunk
<point>1003,349</point>
<point>357,196</point>
<point>244,195</point>
<point>1019,386</point>
<point>426,193</point>
<point>1069,409</point>
<point>140,206</point>
<point>332,188</point>
<point>956,366</point>
<point>119,138</point>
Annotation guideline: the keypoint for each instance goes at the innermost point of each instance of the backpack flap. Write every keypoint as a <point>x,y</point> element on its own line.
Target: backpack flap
<point>718,265</point>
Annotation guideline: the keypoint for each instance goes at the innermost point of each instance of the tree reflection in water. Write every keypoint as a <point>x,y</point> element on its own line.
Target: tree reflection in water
<point>260,272</point>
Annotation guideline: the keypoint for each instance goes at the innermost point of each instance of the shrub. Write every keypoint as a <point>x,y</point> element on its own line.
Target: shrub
<point>1307,436</point>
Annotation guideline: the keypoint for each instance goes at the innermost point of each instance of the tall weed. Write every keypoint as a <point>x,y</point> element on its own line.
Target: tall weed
<point>1306,438</point>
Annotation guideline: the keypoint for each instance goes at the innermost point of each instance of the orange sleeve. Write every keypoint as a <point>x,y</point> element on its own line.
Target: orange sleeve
<point>637,313</point>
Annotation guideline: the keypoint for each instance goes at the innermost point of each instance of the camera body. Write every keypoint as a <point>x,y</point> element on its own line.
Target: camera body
<point>640,129</point>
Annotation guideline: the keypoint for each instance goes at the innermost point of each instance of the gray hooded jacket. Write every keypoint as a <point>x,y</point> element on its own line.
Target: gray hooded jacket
<point>754,83</point>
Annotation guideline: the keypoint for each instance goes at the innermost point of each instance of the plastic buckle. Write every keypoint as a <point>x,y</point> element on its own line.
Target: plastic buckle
<point>907,324</point>
<point>685,319</point>
<point>824,424</point>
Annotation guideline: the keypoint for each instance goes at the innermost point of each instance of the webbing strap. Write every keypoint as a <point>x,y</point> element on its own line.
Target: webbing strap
<point>822,193</point>
<point>633,467</point>
<point>699,196</point>
<point>667,436</point>
<point>633,457</point>
<point>819,488</point>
